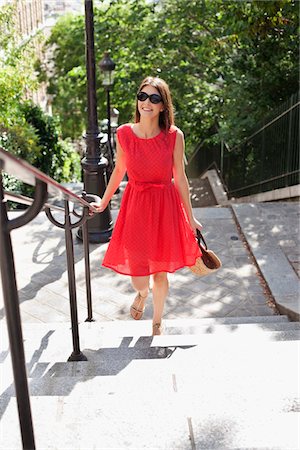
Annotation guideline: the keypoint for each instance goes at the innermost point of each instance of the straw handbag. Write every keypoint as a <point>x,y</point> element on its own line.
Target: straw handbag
<point>208,262</point>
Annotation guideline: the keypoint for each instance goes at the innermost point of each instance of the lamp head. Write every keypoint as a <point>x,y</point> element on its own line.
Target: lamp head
<point>107,67</point>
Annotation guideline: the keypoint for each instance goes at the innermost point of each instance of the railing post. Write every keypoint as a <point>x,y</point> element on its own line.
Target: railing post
<point>13,319</point>
<point>289,149</point>
<point>222,157</point>
<point>76,355</point>
<point>85,239</point>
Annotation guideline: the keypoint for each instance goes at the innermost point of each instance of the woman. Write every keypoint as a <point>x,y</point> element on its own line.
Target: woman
<point>155,230</point>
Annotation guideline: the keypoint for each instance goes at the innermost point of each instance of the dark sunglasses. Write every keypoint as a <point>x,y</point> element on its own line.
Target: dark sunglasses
<point>154,98</point>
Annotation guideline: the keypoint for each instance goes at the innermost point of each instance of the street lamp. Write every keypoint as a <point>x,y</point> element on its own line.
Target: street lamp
<point>107,66</point>
<point>94,165</point>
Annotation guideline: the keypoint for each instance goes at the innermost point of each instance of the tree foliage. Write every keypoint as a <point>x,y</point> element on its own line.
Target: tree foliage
<point>227,63</point>
<point>57,158</point>
<point>25,130</point>
<point>17,74</point>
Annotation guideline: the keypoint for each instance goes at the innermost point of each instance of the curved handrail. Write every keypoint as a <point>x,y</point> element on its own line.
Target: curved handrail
<point>23,200</point>
<point>28,174</point>
<point>30,213</point>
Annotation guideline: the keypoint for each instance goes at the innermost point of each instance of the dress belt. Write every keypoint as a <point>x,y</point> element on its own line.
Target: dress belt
<point>142,185</point>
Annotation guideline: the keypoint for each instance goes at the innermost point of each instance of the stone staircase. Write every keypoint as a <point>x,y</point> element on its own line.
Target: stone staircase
<point>215,383</point>
<point>201,193</point>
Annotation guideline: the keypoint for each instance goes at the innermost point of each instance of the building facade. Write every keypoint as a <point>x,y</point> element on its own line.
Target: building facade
<point>56,8</point>
<point>30,16</point>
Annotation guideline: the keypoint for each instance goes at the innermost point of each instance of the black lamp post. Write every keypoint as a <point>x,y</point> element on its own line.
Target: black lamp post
<point>94,165</point>
<point>107,66</point>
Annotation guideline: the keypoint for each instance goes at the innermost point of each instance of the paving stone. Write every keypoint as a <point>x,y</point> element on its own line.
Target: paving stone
<point>213,213</point>
<point>213,294</point>
<point>238,273</point>
<point>43,312</point>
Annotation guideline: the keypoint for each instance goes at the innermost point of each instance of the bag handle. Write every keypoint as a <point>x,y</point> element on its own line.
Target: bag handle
<point>201,238</point>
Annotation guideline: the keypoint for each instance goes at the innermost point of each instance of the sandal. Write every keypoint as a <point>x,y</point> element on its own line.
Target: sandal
<point>157,329</point>
<point>136,311</point>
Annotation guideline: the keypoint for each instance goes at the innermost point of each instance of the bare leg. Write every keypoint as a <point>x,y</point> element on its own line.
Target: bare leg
<point>141,285</point>
<point>160,292</point>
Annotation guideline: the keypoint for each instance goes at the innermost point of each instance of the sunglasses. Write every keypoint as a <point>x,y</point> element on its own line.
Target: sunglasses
<point>154,98</point>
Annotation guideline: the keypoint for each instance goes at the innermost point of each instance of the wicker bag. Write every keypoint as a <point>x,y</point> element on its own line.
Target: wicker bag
<point>208,262</point>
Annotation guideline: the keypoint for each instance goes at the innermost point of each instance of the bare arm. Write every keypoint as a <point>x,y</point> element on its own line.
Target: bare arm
<point>115,179</point>
<point>181,182</point>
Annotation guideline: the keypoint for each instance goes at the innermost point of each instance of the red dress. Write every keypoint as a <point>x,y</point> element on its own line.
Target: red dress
<point>152,233</point>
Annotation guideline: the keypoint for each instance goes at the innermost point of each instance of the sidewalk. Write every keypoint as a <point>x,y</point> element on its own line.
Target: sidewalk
<point>236,290</point>
<point>273,236</point>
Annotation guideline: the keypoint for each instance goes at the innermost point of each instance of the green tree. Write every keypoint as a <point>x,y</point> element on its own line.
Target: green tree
<point>68,83</point>
<point>57,158</point>
<point>227,63</point>
<point>263,64</point>
<point>24,129</point>
<point>17,74</point>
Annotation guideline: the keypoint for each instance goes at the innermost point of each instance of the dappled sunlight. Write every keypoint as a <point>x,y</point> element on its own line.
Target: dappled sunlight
<point>112,293</point>
<point>244,271</point>
<point>277,229</point>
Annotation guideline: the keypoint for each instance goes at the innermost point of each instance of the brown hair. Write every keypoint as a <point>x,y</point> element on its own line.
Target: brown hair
<point>166,117</point>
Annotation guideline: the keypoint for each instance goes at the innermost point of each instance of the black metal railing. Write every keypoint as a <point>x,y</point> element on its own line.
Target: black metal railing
<point>266,160</point>
<point>47,193</point>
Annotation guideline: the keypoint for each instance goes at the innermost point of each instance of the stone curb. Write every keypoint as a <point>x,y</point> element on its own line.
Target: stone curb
<point>273,264</point>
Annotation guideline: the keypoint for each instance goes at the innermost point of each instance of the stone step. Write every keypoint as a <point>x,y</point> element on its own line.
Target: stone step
<point>231,320</point>
<point>230,385</point>
<point>201,192</point>
<point>220,328</point>
<point>214,396</point>
<point>141,421</point>
<point>103,334</point>
<point>46,343</point>
<point>143,327</point>
<point>112,360</point>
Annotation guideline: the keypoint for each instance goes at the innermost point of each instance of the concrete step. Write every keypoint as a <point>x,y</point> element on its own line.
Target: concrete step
<point>48,343</point>
<point>143,327</point>
<point>201,192</point>
<point>139,420</point>
<point>194,329</point>
<point>231,320</point>
<point>229,385</point>
<point>218,395</point>
<point>55,339</point>
<point>112,360</point>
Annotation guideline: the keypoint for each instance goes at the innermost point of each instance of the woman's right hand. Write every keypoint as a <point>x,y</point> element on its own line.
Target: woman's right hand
<point>100,207</point>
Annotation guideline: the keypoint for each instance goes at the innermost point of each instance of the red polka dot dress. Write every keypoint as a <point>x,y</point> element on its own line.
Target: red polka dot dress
<point>152,233</point>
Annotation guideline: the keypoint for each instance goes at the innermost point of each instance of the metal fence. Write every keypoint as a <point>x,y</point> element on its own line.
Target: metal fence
<point>266,160</point>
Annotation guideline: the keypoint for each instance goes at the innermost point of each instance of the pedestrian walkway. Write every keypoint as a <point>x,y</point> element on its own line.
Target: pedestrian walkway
<point>236,290</point>
<point>273,236</point>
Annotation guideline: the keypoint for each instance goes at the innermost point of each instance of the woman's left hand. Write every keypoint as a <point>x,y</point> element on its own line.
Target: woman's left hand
<point>196,225</point>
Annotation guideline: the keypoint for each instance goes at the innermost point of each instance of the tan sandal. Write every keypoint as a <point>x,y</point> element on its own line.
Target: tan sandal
<point>136,311</point>
<point>157,329</point>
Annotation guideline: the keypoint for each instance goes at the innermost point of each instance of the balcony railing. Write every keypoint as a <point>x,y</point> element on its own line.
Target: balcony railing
<point>76,212</point>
